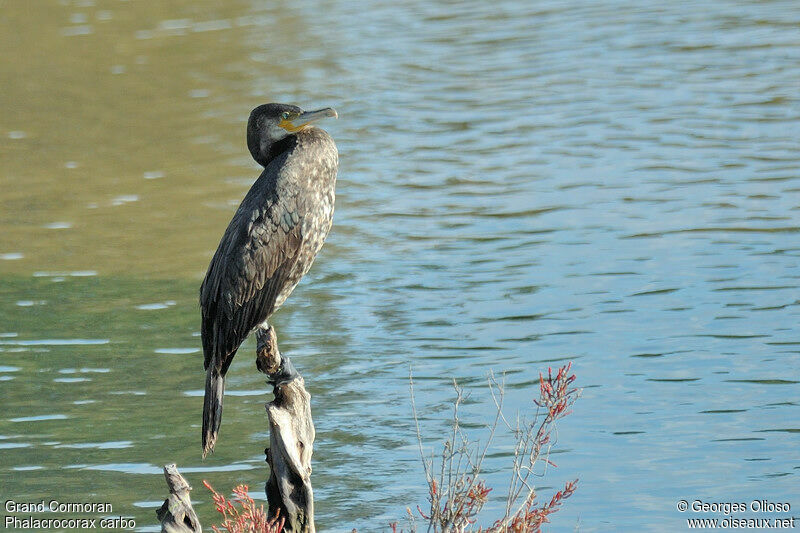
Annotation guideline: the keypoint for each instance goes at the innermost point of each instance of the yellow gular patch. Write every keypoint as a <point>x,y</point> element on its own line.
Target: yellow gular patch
<point>287,125</point>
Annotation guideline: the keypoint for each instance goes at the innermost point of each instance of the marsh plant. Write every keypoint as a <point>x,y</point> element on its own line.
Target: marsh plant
<point>456,491</point>
<point>240,514</point>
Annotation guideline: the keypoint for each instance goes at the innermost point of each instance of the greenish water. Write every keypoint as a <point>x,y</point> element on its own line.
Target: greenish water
<point>521,183</point>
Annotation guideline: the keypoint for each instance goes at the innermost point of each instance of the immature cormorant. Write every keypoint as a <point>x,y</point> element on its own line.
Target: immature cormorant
<point>270,242</point>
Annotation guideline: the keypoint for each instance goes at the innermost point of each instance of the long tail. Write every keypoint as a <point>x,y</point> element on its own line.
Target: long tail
<point>212,408</point>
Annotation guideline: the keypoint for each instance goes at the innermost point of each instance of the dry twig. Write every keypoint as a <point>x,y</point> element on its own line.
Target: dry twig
<point>456,493</point>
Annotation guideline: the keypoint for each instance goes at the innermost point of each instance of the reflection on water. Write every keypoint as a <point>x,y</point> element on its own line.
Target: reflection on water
<point>521,184</point>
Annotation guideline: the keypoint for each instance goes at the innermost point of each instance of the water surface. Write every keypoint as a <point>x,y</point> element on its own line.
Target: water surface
<point>521,184</point>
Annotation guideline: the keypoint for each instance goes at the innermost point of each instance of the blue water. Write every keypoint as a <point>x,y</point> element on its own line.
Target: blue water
<point>522,184</point>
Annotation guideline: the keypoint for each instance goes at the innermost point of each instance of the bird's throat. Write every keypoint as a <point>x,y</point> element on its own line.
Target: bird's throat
<point>277,148</point>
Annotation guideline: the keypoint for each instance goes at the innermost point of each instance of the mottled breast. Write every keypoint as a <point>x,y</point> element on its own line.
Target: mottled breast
<point>309,176</point>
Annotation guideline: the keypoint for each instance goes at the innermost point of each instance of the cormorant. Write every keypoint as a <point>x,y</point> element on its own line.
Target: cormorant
<point>271,241</point>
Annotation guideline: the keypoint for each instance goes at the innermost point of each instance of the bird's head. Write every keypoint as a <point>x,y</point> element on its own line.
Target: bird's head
<point>270,124</point>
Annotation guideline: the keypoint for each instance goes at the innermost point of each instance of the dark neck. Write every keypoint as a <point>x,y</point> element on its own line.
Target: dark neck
<point>264,157</point>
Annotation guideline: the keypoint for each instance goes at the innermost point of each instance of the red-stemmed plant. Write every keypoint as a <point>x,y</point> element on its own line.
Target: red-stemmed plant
<point>241,514</point>
<point>457,494</point>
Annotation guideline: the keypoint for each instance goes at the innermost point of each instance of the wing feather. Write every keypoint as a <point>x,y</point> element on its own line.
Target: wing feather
<point>249,269</point>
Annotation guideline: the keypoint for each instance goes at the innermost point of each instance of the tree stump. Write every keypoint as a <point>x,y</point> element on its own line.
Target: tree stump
<point>177,514</point>
<point>291,437</point>
<point>291,441</point>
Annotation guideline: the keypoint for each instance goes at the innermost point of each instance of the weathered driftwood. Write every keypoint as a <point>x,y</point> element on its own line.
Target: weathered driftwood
<point>177,514</point>
<point>291,437</point>
<point>289,455</point>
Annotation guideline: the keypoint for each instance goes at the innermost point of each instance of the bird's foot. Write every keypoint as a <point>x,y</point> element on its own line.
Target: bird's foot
<point>286,372</point>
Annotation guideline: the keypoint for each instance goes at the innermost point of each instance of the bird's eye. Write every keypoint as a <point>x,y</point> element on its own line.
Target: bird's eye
<point>285,115</point>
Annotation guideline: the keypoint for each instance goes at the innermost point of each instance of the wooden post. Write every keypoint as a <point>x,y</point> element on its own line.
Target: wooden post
<point>291,437</point>
<point>177,514</point>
